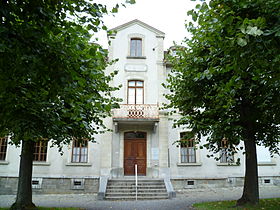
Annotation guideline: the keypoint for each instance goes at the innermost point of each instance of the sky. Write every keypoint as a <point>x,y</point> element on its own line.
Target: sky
<point>168,16</point>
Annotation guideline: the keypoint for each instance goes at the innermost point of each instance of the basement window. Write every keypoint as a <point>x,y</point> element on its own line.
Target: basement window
<point>77,184</point>
<point>36,183</point>
<point>189,184</point>
<point>267,181</point>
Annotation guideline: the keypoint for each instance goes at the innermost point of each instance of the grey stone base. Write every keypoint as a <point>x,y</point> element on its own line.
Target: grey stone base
<point>185,184</point>
<point>8,185</point>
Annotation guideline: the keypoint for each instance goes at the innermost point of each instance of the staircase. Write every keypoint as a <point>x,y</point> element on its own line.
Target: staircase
<point>123,189</point>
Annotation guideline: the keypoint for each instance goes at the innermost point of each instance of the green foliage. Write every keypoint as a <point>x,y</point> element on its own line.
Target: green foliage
<point>226,82</point>
<point>52,80</point>
<point>269,204</point>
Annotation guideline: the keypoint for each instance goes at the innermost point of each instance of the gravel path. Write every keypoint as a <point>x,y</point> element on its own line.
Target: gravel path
<point>183,201</point>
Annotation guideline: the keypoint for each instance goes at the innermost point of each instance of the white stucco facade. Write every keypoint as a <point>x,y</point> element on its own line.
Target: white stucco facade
<point>160,156</point>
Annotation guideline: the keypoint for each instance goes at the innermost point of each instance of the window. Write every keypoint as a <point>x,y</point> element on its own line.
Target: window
<point>80,151</point>
<point>3,147</point>
<point>135,47</point>
<point>187,150</point>
<point>40,151</point>
<point>135,92</point>
<point>226,154</point>
<point>263,154</point>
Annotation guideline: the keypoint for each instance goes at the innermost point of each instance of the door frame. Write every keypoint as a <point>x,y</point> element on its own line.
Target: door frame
<point>146,149</point>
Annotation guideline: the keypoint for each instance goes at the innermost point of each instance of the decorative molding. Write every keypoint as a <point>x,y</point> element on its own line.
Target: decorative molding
<point>79,164</point>
<point>138,22</point>
<point>228,164</point>
<point>136,67</point>
<point>267,164</point>
<point>4,162</point>
<point>39,163</point>
<point>136,57</point>
<point>189,164</point>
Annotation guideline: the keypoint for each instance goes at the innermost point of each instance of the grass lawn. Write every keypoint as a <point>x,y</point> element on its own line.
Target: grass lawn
<point>271,204</point>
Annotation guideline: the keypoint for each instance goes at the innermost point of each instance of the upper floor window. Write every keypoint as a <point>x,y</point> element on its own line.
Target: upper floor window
<point>226,154</point>
<point>187,149</point>
<point>3,147</point>
<point>40,150</point>
<point>135,47</point>
<point>135,92</point>
<point>80,151</point>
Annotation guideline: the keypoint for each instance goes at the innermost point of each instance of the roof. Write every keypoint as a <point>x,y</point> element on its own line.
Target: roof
<point>126,25</point>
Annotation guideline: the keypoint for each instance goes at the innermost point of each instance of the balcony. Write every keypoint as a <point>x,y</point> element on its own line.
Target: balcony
<point>136,116</point>
<point>136,112</point>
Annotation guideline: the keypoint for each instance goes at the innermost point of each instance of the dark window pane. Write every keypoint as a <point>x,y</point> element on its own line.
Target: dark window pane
<point>3,147</point>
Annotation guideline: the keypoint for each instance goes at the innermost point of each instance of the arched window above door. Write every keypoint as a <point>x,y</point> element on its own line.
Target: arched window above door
<point>134,135</point>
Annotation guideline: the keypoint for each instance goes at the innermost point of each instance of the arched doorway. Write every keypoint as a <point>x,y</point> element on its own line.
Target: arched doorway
<point>135,152</point>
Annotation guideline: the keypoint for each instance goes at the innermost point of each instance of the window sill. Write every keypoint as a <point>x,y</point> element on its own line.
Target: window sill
<point>3,162</point>
<point>41,163</point>
<point>266,164</point>
<point>227,164</point>
<point>189,164</point>
<point>79,164</point>
<point>136,57</point>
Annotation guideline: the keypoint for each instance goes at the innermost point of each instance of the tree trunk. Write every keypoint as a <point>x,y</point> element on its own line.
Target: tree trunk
<point>251,185</point>
<point>24,191</point>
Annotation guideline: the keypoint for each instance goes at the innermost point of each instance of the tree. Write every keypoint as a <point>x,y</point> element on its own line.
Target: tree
<point>52,81</point>
<point>226,81</point>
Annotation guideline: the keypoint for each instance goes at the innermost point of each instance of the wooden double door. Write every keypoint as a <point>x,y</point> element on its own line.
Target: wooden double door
<point>135,152</point>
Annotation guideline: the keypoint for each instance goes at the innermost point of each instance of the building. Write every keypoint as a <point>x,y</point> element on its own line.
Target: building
<point>142,134</point>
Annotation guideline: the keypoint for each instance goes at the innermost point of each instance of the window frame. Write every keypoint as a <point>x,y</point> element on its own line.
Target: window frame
<point>135,87</point>
<point>134,53</point>
<point>226,156</point>
<point>186,145</point>
<point>3,148</point>
<point>42,152</point>
<point>80,147</point>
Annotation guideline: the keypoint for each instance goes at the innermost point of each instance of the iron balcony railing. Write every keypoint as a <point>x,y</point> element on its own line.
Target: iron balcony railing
<point>137,111</point>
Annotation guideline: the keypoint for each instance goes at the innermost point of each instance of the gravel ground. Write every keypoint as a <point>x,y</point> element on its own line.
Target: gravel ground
<point>183,201</point>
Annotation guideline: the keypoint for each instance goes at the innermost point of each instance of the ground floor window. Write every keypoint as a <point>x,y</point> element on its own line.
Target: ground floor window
<point>80,151</point>
<point>3,147</point>
<point>40,151</point>
<point>187,148</point>
<point>226,154</point>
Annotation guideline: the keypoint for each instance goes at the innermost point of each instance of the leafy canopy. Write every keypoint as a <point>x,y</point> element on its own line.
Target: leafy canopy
<point>52,80</point>
<point>227,80</point>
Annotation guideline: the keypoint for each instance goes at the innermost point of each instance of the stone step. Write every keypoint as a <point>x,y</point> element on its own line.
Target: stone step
<point>134,198</point>
<point>139,183</point>
<point>144,194</point>
<point>121,189</point>
<point>138,190</point>
<point>133,183</point>
<point>133,180</point>
<point>138,187</point>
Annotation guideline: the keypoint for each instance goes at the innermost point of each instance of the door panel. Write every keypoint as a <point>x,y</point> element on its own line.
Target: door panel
<point>135,153</point>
